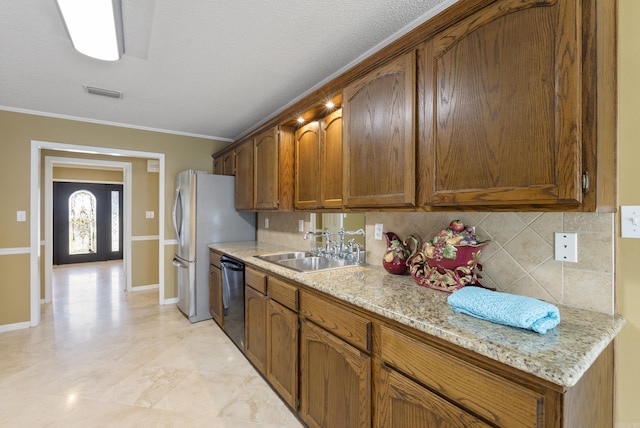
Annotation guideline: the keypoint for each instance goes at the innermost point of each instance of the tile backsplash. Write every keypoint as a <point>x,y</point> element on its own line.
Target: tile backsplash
<point>519,258</point>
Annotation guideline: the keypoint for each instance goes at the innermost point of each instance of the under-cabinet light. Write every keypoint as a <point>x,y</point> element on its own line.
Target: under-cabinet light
<point>95,27</point>
<point>300,119</point>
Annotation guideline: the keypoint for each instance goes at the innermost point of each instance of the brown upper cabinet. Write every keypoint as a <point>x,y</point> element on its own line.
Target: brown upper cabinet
<point>331,168</point>
<point>225,164</point>
<point>245,176</point>
<point>264,171</point>
<point>307,166</point>
<point>273,171</point>
<point>318,164</point>
<point>500,111</point>
<point>496,105</point>
<point>379,137</point>
<point>229,163</point>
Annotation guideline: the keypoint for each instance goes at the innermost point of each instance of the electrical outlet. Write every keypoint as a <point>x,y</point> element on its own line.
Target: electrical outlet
<point>266,223</point>
<point>149,214</point>
<point>377,235</point>
<point>300,225</point>
<point>566,247</point>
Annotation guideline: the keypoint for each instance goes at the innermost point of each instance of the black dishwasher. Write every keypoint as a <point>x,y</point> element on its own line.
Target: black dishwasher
<point>233,299</point>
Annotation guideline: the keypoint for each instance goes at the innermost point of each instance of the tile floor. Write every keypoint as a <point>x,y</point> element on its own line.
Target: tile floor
<point>105,358</point>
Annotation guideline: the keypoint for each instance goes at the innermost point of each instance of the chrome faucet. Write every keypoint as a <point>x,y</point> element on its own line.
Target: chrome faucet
<point>348,252</point>
<point>336,248</point>
<point>314,247</point>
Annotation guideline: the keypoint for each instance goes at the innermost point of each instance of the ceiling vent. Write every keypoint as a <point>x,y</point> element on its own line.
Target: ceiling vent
<point>101,91</point>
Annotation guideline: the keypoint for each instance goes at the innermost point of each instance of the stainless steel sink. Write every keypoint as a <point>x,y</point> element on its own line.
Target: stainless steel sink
<point>284,256</point>
<point>303,261</point>
<point>314,263</point>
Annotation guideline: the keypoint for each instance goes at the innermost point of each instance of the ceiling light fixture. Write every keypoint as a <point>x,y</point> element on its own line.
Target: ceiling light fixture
<point>95,27</point>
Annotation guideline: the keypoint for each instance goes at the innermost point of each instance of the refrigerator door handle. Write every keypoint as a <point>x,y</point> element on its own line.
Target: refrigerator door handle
<point>175,209</point>
<point>178,263</point>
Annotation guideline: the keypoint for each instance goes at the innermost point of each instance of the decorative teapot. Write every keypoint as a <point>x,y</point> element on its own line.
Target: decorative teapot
<point>398,253</point>
<point>450,260</point>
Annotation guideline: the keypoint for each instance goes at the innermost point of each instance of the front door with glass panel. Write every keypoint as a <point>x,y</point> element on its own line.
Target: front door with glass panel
<point>87,222</point>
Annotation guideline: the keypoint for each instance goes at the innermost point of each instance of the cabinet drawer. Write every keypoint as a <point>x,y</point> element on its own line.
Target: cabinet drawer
<point>351,327</point>
<point>494,398</point>
<point>283,293</point>
<point>255,279</point>
<point>214,259</point>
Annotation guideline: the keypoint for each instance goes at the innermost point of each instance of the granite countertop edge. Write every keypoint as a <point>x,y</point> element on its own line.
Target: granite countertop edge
<point>560,356</point>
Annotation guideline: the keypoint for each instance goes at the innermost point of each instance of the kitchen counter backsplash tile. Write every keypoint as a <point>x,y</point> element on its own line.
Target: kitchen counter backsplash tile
<point>519,259</point>
<point>560,356</point>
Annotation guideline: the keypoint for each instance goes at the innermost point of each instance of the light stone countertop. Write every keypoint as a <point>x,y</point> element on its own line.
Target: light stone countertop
<point>561,356</point>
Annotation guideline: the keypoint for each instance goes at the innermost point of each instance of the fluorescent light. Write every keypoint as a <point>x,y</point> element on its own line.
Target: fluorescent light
<point>94,26</point>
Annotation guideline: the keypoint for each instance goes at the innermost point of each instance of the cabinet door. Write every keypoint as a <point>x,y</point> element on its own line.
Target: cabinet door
<point>282,351</point>
<point>256,328</point>
<point>500,119</point>
<point>331,165</point>
<point>335,381</point>
<point>218,166</point>
<point>244,176</point>
<point>229,163</point>
<point>216,307</point>
<point>379,140</point>
<point>307,166</point>
<point>402,403</point>
<point>266,170</point>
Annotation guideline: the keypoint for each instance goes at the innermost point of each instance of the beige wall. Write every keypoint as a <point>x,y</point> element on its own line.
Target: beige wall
<point>17,132</point>
<point>628,250</point>
<point>14,288</point>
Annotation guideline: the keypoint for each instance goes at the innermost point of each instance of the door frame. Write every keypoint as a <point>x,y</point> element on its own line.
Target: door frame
<point>52,161</point>
<point>35,206</point>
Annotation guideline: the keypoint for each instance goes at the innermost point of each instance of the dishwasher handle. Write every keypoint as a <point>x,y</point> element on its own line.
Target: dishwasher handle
<point>231,264</point>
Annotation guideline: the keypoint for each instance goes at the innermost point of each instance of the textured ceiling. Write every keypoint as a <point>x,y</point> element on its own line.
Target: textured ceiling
<point>212,68</point>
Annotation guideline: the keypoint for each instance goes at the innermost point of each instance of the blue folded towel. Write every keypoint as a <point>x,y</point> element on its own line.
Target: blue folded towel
<point>504,308</point>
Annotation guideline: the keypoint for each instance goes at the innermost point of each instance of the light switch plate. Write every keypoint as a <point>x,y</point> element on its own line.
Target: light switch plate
<point>566,247</point>
<point>630,221</point>
<point>266,223</point>
<point>149,214</point>
<point>21,216</point>
<point>300,225</point>
<point>377,232</point>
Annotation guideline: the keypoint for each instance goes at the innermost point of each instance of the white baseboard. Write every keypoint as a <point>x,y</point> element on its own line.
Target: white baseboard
<point>170,301</point>
<point>16,326</point>
<point>145,287</point>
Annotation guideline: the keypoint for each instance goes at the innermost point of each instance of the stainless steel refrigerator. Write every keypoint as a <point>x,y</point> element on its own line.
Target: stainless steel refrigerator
<point>203,213</point>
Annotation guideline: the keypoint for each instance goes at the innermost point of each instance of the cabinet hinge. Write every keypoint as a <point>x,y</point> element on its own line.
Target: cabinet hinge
<point>586,182</point>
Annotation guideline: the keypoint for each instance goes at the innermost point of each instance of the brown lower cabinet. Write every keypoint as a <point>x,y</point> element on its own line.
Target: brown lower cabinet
<point>335,380</point>
<point>282,351</point>
<point>216,307</point>
<point>282,339</point>
<point>401,402</point>
<point>255,328</point>
<point>339,366</point>
<point>255,332</point>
